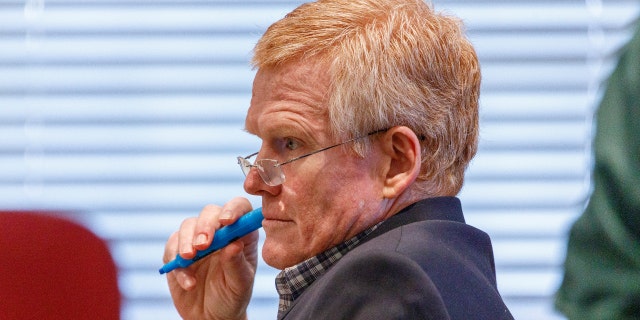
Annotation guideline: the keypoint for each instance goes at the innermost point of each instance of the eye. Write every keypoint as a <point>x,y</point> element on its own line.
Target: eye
<point>291,144</point>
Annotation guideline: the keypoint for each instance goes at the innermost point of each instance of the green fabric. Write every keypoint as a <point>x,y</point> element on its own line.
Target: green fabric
<point>602,267</point>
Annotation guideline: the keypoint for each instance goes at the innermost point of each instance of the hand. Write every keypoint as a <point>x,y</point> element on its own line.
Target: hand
<point>219,286</point>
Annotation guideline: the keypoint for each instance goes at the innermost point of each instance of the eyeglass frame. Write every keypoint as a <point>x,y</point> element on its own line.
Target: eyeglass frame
<point>246,165</point>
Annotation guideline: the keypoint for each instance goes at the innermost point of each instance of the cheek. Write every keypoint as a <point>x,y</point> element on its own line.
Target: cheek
<point>290,243</point>
<point>293,240</point>
<point>323,210</point>
<point>329,203</point>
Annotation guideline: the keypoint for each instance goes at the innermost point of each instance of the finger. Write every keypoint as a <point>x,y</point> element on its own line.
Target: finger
<point>240,267</point>
<point>205,226</point>
<point>213,217</point>
<point>184,278</point>
<point>170,248</point>
<point>234,209</point>
<point>185,238</point>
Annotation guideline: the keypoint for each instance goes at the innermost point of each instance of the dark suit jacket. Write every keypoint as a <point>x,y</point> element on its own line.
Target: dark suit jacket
<point>422,263</point>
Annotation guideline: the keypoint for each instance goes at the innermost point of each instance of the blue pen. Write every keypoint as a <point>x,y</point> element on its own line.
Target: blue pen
<point>244,225</point>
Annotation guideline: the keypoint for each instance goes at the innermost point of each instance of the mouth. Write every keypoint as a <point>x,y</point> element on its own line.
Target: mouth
<point>273,222</point>
<point>274,216</point>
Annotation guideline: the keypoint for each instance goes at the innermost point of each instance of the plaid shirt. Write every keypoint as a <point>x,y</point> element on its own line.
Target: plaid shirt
<point>292,281</point>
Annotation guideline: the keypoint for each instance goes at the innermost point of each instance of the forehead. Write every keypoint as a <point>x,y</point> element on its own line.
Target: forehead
<point>291,95</point>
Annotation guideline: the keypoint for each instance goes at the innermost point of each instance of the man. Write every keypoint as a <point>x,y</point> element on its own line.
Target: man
<point>368,115</point>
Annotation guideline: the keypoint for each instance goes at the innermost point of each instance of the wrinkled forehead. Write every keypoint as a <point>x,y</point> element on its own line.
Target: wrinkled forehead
<point>297,89</point>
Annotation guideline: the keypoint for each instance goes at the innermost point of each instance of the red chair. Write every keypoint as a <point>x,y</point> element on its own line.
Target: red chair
<point>52,268</point>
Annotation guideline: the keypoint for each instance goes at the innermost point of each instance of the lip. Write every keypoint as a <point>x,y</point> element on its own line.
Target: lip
<point>269,214</point>
<point>271,221</point>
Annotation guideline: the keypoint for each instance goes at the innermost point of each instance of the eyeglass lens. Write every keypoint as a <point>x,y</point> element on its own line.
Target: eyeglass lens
<point>268,169</point>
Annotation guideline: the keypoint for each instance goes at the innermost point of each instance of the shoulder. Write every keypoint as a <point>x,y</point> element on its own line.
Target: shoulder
<point>434,244</point>
<point>384,285</point>
<point>422,270</point>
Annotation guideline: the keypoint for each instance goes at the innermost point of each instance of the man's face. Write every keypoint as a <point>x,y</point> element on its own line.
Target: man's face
<point>326,198</point>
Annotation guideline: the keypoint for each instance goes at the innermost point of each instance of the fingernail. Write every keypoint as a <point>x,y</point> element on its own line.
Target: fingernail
<point>200,239</point>
<point>226,215</point>
<point>185,249</point>
<point>188,283</point>
<point>185,281</point>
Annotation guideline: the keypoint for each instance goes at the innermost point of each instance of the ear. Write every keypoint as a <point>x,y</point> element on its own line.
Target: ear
<point>402,148</point>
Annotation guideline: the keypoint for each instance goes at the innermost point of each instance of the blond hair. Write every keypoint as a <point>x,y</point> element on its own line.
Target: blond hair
<point>391,62</point>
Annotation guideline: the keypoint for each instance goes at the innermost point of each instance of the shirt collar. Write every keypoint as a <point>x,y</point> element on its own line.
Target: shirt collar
<point>291,282</point>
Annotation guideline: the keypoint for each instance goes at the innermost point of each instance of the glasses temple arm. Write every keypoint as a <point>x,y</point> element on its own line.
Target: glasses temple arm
<point>333,146</point>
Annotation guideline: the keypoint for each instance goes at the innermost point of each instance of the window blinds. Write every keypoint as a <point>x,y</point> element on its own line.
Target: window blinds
<point>130,115</point>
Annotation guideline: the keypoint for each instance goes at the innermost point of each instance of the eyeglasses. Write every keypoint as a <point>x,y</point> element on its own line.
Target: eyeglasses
<point>271,171</point>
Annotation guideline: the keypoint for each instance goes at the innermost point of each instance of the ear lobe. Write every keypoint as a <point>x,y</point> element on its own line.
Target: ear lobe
<point>402,147</point>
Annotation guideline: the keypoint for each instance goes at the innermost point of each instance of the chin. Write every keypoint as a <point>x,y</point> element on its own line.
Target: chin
<point>278,257</point>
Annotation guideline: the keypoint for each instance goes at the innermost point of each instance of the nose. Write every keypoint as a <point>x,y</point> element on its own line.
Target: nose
<point>255,185</point>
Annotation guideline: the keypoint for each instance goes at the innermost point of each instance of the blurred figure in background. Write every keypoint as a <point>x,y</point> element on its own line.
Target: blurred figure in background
<point>54,268</point>
<point>602,267</point>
